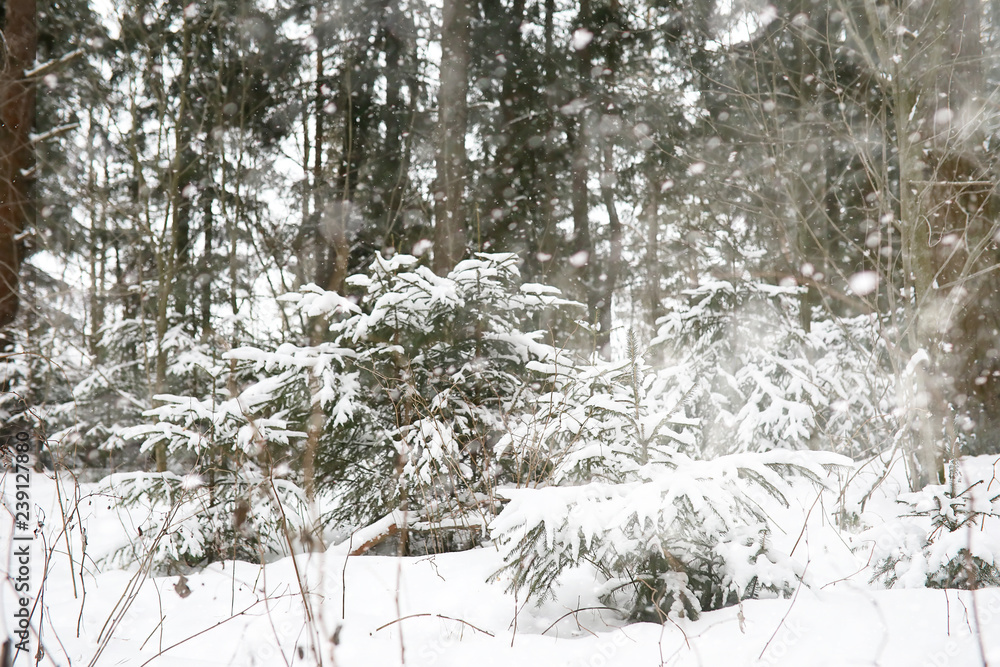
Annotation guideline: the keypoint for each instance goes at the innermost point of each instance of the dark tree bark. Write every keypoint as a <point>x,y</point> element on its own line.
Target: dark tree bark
<point>17,158</point>
<point>610,114</point>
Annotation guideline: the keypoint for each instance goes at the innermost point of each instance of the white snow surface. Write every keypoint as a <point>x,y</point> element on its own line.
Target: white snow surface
<point>455,612</point>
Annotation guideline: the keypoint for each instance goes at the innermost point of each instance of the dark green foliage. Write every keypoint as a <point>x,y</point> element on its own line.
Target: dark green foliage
<point>416,384</point>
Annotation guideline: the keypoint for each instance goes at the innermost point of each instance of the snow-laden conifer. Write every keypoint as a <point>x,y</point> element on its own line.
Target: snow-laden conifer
<point>760,381</point>
<point>416,378</point>
<point>669,534</point>
<point>945,535</point>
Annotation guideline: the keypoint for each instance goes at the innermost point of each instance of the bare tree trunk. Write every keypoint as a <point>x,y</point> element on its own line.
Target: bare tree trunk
<point>809,146</point>
<point>935,88</point>
<point>653,270</point>
<point>17,157</point>
<point>172,262</point>
<point>452,169</point>
<point>610,279</point>
<point>318,192</point>
<point>183,179</point>
<point>579,138</point>
<point>609,126</point>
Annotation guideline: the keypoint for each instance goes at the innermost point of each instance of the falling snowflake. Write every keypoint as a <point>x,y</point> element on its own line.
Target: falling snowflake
<point>581,38</point>
<point>579,259</point>
<point>863,283</point>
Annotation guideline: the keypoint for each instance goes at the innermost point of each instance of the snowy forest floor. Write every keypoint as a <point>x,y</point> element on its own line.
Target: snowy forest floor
<point>448,609</point>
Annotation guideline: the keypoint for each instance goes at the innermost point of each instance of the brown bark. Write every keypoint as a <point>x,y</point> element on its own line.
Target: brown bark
<point>17,158</point>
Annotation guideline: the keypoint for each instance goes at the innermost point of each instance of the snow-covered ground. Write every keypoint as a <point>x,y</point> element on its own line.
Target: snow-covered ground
<point>449,610</point>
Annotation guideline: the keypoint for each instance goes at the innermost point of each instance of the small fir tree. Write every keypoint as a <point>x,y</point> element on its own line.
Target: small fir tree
<point>671,535</point>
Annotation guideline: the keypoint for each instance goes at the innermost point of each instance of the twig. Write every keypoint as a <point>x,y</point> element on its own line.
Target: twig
<point>303,587</point>
<point>399,580</point>
<point>449,618</point>
<point>683,634</point>
<point>54,132</point>
<point>517,612</point>
<point>152,632</point>
<point>805,524</point>
<point>789,611</point>
<point>575,611</point>
<point>343,577</point>
<point>866,566</point>
<point>66,530</point>
<point>201,632</point>
<point>979,629</point>
<point>947,611</point>
<point>48,619</point>
<point>131,592</point>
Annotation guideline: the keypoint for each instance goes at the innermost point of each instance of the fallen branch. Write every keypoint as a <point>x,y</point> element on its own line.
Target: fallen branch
<point>391,530</point>
<point>392,523</point>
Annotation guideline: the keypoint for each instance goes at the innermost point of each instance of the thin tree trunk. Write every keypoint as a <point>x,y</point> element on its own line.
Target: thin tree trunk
<point>17,157</point>
<point>317,170</point>
<point>579,138</point>
<point>935,88</point>
<point>449,195</point>
<point>609,123</point>
<point>652,215</point>
<point>610,281</point>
